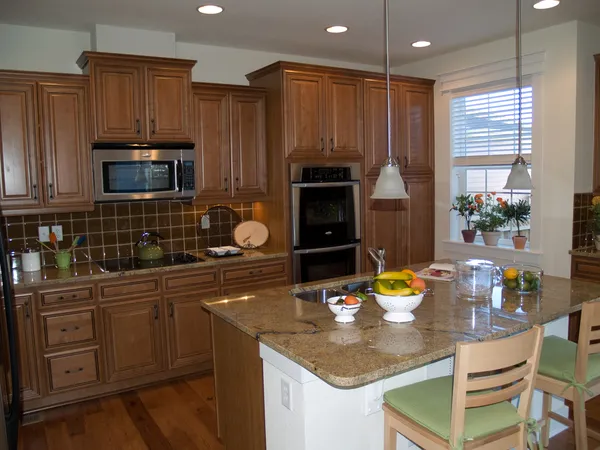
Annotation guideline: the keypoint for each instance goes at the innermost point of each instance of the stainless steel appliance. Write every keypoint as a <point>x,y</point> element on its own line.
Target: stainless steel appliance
<point>124,172</point>
<point>325,221</point>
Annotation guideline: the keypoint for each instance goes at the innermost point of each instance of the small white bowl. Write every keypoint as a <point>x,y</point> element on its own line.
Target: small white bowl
<point>398,307</point>
<point>343,313</point>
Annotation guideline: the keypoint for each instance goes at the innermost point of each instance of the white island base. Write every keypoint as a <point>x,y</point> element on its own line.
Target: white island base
<point>322,417</point>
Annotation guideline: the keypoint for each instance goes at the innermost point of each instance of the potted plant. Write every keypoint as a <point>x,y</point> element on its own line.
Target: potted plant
<point>595,210</point>
<point>490,217</point>
<point>465,206</point>
<point>518,213</point>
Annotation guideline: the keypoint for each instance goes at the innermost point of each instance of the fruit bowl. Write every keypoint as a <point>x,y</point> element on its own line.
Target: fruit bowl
<point>399,307</point>
<point>343,313</point>
<point>522,278</point>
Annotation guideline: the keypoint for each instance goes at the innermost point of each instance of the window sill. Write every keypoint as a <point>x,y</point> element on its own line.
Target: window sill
<point>503,253</point>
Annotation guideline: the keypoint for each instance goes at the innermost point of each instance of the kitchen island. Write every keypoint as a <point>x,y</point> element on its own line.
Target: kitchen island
<point>331,376</point>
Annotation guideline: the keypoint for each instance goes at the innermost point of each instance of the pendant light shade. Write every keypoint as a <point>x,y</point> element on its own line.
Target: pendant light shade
<point>389,184</point>
<point>519,176</point>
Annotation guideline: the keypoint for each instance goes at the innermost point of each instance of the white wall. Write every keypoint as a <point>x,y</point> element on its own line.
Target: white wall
<point>553,162</point>
<point>110,39</point>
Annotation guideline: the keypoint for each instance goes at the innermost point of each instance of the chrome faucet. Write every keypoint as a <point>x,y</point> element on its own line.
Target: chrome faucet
<point>378,259</point>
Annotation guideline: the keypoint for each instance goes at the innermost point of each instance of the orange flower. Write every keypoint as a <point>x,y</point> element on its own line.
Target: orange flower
<point>499,200</point>
<point>479,201</point>
<point>493,193</point>
<point>478,196</point>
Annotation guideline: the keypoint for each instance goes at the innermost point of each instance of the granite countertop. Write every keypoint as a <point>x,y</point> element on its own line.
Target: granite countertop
<point>370,349</point>
<point>89,270</point>
<point>588,252</point>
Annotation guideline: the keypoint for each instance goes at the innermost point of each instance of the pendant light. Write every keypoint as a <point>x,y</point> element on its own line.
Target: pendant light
<point>519,175</point>
<point>389,184</point>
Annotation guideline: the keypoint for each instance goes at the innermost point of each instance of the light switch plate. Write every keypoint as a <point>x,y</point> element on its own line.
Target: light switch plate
<point>57,230</point>
<point>286,394</point>
<point>44,234</point>
<point>205,222</point>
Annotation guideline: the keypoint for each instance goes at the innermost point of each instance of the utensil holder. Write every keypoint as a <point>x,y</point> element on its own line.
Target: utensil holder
<point>63,260</point>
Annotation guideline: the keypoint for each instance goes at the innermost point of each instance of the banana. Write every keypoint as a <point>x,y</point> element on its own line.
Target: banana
<point>405,292</point>
<point>403,276</point>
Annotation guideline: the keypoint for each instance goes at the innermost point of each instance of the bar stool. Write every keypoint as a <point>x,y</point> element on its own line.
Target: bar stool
<point>572,371</point>
<point>471,409</point>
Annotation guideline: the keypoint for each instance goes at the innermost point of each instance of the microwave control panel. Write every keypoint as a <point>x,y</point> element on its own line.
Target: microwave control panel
<point>189,181</point>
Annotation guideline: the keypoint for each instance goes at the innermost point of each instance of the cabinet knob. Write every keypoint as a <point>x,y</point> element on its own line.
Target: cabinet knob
<point>138,127</point>
<point>34,191</point>
<point>255,272</point>
<point>65,330</point>
<point>26,306</point>
<point>70,371</point>
<point>50,193</point>
<point>237,184</point>
<point>153,130</point>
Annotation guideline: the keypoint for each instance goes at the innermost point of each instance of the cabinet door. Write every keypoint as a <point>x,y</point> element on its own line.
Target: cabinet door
<point>132,333</point>
<point>18,146</point>
<point>248,145</point>
<point>419,219</point>
<point>344,117</point>
<point>28,368</point>
<point>169,97</point>
<point>188,329</point>
<point>211,135</point>
<point>117,102</point>
<point>304,115</point>
<point>417,129</point>
<point>376,124</point>
<point>65,141</point>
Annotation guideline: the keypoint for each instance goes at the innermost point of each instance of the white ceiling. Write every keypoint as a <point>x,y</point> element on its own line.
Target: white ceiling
<point>297,26</point>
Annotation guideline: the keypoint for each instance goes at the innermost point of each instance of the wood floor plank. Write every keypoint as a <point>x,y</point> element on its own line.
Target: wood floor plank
<point>197,404</point>
<point>149,431</point>
<point>57,436</point>
<point>33,437</point>
<point>205,387</point>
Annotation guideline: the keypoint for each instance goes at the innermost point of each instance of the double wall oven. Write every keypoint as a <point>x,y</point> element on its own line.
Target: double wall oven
<point>325,221</point>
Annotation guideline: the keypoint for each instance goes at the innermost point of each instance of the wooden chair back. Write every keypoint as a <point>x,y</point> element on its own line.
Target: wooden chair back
<point>589,338</point>
<point>494,371</point>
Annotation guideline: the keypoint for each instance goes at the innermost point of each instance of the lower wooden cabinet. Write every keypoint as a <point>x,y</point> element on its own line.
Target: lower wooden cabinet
<point>73,369</point>
<point>132,337</point>
<point>28,367</point>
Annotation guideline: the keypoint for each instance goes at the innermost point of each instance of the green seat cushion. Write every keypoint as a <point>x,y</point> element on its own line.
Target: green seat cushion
<point>558,360</point>
<point>429,403</point>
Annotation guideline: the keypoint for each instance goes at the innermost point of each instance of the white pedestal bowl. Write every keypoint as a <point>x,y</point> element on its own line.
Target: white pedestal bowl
<point>399,307</point>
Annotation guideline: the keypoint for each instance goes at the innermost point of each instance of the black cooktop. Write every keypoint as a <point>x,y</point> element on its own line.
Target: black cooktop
<point>134,263</point>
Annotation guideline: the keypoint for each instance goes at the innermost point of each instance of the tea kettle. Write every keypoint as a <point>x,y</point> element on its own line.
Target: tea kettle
<point>149,249</point>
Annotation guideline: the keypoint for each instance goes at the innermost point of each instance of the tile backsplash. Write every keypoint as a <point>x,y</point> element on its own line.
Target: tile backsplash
<point>112,229</point>
<point>582,236</point>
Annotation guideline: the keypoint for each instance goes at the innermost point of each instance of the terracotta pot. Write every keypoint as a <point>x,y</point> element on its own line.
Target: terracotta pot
<point>469,236</point>
<point>491,237</point>
<point>519,242</point>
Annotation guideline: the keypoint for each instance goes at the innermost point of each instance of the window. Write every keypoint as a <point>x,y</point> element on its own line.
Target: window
<point>484,139</point>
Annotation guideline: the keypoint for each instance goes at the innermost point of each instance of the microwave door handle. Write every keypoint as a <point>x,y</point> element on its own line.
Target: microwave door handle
<point>178,175</point>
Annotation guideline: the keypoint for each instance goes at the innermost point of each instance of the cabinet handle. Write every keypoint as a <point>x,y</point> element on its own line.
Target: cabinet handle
<point>26,306</point>
<point>322,145</point>
<point>34,191</point>
<point>138,127</point>
<point>406,187</point>
<point>61,297</point>
<point>65,330</point>
<point>406,162</point>
<point>237,184</point>
<point>155,312</point>
<point>171,309</point>
<point>226,187</point>
<point>74,296</point>
<point>70,371</point>
<point>153,131</point>
<point>332,146</point>
<point>50,190</point>
<point>255,272</point>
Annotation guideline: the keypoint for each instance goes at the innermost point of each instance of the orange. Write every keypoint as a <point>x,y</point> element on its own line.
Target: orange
<point>418,283</point>
<point>351,300</point>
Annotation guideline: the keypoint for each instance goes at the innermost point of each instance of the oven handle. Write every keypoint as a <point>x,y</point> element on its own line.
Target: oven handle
<point>324,185</point>
<point>326,249</point>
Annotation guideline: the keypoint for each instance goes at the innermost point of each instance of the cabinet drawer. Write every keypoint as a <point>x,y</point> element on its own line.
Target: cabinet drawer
<point>251,287</point>
<point>115,290</point>
<point>70,370</point>
<point>69,327</point>
<point>202,279</point>
<point>81,293</point>
<point>587,269</point>
<point>248,273</point>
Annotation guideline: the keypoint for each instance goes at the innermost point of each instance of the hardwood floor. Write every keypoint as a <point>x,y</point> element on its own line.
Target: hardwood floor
<point>178,415</point>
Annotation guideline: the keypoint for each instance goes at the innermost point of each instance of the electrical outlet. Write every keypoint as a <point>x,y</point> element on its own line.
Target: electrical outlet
<point>44,234</point>
<point>205,222</point>
<point>57,230</point>
<point>286,394</point>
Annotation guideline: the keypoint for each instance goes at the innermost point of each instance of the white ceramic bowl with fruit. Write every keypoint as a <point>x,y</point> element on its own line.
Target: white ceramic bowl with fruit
<point>398,293</point>
<point>344,307</point>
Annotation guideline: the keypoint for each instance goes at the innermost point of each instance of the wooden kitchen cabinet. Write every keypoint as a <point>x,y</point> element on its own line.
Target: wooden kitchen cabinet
<point>229,132</point>
<point>416,129</point>
<point>138,98</point>
<point>26,347</point>
<point>597,129</point>
<point>419,220</point>
<point>344,117</point>
<point>133,338</point>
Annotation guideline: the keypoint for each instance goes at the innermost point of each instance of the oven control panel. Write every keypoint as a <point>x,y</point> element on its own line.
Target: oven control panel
<point>325,174</point>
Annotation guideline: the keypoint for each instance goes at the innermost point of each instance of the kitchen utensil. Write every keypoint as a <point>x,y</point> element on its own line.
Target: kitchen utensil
<point>54,240</point>
<point>475,279</point>
<point>149,249</point>
<point>77,242</point>
<point>250,234</point>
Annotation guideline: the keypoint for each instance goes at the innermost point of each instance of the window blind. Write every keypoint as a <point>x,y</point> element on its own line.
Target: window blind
<point>487,124</point>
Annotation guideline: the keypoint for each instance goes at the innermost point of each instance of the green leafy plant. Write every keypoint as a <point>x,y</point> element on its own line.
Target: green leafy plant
<point>465,206</point>
<point>595,210</point>
<point>518,213</point>
<point>490,213</point>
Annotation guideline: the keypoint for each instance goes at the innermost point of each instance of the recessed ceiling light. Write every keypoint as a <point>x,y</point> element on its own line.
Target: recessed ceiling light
<point>337,29</point>
<point>421,44</point>
<point>210,9</point>
<point>546,4</point>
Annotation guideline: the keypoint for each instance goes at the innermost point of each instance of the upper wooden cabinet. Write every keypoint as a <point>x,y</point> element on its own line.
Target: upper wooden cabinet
<point>229,134</point>
<point>323,116</point>
<point>416,129</point>
<point>139,99</point>
<point>597,129</point>
<point>44,143</point>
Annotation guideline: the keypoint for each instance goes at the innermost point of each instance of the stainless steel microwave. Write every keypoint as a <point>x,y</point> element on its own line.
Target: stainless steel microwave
<point>142,172</point>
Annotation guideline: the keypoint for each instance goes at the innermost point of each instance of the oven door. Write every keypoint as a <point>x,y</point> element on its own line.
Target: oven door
<point>322,263</point>
<point>325,214</point>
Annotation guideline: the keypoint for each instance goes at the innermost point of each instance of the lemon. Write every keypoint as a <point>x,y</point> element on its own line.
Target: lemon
<point>511,273</point>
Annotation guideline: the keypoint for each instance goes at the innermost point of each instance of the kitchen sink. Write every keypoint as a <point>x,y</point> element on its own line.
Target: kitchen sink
<point>321,295</point>
<point>366,287</point>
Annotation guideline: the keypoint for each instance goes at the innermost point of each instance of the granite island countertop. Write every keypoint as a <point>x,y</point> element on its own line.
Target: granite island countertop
<point>370,349</point>
<point>85,270</point>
